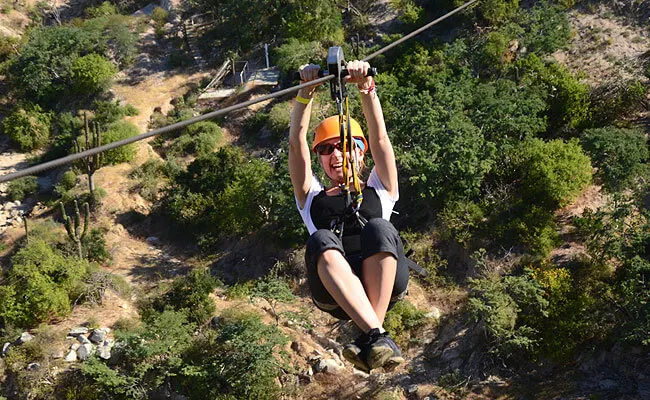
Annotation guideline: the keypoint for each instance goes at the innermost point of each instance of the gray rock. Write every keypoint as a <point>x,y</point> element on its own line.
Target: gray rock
<point>83,339</point>
<point>85,351</point>
<point>24,338</point>
<point>359,373</point>
<point>412,389</point>
<point>329,366</point>
<point>152,240</point>
<point>80,330</point>
<point>5,348</point>
<point>3,219</point>
<point>57,355</point>
<point>98,335</point>
<point>215,322</point>
<point>104,352</point>
<point>75,346</point>
<point>71,356</point>
<point>33,366</point>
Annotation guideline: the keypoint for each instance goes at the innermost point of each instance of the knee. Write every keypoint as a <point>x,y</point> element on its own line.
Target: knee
<point>377,230</point>
<point>319,242</point>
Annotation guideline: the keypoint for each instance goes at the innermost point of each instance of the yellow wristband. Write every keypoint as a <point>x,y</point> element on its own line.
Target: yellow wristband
<point>303,100</point>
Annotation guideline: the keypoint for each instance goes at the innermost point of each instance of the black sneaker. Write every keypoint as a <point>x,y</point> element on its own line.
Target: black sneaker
<point>382,350</point>
<point>358,351</point>
<point>396,358</point>
<point>352,353</point>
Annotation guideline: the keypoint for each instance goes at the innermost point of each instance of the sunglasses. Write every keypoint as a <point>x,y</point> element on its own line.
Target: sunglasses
<point>325,149</point>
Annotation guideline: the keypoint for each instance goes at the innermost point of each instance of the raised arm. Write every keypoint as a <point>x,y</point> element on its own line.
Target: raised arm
<point>299,159</point>
<point>380,146</point>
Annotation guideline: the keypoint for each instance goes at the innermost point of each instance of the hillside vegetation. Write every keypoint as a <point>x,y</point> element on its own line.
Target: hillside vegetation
<point>523,193</point>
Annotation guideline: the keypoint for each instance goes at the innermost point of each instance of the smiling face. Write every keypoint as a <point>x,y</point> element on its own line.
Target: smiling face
<point>333,163</point>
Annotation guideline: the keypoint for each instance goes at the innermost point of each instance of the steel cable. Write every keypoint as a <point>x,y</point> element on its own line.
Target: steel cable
<point>179,125</point>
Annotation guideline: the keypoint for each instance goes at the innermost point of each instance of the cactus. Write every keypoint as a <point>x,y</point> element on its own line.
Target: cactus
<point>91,163</point>
<point>73,225</point>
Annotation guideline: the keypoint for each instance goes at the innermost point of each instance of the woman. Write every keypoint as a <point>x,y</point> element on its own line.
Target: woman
<point>361,276</point>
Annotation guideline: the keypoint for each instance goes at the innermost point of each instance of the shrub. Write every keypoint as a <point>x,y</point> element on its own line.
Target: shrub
<point>273,290</point>
<point>619,154</point>
<point>104,9</point>
<point>498,302</point>
<point>40,285</point>
<point>150,175</point>
<point>552,173</point>
<point>22,187</point>
<point>403,318</point>
<point>68,180</point>
<point>190,295</point>
<point>221,194</point>
<point>118,131</point>
<point>159,15</point>
<point>546,27</point>
<point>410,12</point>
<point>236,360</point>
<point>28,128</point>
<point>633,287</point>
<point>279,119</point>
<point>109,112</point>
<point>616,100</point>
<point>294,53</point>
<point>94,247</point>
<point>92,74</point>
<point>498,12</point>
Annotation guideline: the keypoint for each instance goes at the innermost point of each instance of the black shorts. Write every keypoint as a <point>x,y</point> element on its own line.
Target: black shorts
<point>378,236</point>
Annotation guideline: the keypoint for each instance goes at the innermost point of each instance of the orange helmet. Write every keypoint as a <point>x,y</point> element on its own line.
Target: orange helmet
<point>329,128</point>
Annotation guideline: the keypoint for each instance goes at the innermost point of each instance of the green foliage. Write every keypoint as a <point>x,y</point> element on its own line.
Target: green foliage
<point>200,139</point>
<point>22,187</point>
<point>567,98</point>
<point>546,28</point>
<point>189,295</point>
<point>443,156</point>
<point>94,247</point>
<point>294,53</point>
<point>115,37</point>
<point>40,285</point>
<point>273,290</point>
<point>159,15</point>
<point>552,173</point>
<point>402,320</point>
<point>236,360</point>
<point>43,69</point>
<point>118,131</point>
<point>109,112</point>
<point>633,287</point>
<point>498,302</point>
<point>279,119</point>
<point>221,194</point>
<point>616,100</point>
<point>104,9</point>
<point>92,74</point>
<point>618,153</point>
<point>28,127</point>
<point>497,12</point>
<point>460,220</point>
<point>150,176</point>
<point>68,180</point>
<point>313,20</point>
<point>410,13</point>
<point>506,111</point>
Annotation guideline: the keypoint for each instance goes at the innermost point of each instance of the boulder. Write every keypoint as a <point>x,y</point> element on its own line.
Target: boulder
<point>75,346</point>
<point>98,335</point>
<point>329,366</point>
<point>71,356</point>
<point>83,339</point>
<point>80,330</point>
<point>24,338</point>
<point>85,351</point>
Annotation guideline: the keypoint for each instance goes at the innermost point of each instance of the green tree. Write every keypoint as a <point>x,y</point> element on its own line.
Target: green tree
<point>92,74</point>
<point>620,155</point>
<point>43,70</point>
<point>118,131</point>
<point>40,286</point>
<point>294,52</point>
<point>552,173</point>
<point>28,127</point>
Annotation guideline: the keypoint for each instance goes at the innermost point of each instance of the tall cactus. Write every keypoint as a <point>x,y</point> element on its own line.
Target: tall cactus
<point>73,225</point>
<point>93,138</point>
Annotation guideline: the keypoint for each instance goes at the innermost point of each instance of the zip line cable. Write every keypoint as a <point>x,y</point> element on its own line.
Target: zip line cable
<point>179,125</point>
